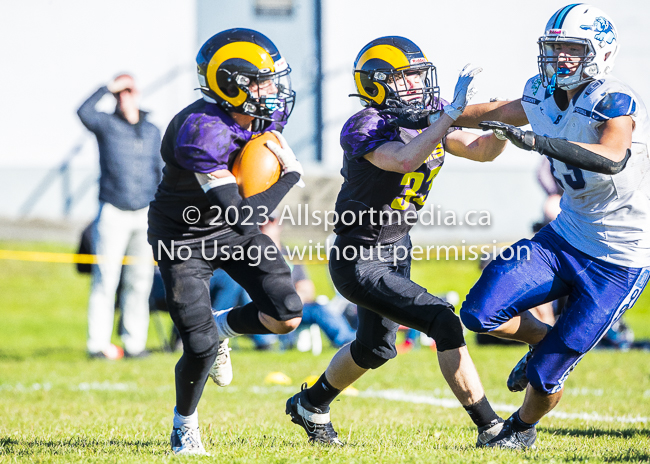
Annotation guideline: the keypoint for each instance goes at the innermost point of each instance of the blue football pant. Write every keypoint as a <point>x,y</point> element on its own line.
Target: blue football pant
<point>544,269</point>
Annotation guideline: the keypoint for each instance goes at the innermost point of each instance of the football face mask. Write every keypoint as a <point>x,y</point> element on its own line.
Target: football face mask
<point>565,62</point>
<point>270,97</point>
<point>409,85</point>
<point>393,71</point>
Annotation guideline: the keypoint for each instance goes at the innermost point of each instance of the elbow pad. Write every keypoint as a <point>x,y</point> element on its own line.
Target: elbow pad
<point>225,196</point>
<point>249,212</point>
<point>224,193</point>
<point>570,153</point>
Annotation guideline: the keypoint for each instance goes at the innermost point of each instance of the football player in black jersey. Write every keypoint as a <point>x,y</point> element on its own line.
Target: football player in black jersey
<point>393,150</point>
<point>198,221</point>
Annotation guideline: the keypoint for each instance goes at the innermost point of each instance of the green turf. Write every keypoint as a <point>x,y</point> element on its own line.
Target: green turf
<point>57,406</point>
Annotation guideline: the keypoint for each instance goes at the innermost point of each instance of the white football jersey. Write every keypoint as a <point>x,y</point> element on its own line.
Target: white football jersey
<point>604,216</point>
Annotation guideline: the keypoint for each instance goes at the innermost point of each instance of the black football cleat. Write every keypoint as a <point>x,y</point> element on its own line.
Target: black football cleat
<point>316,423</point>
<point>517,380</point>
<point>510,439</point>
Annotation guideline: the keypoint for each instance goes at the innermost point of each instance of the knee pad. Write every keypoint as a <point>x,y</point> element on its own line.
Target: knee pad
<point>202,342</point>
<point>283,302</point>
<point>447,331</point>
<point>367,358</point>
<point>293,305</point>
<point>473,321</point>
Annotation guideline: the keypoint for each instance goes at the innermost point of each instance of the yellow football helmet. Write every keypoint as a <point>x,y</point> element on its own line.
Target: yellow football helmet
<point>235,64</point>
<point>386,60</point>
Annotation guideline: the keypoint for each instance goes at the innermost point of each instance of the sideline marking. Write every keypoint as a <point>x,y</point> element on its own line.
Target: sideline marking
<point>449,403</point>
<point>390,395</point>
<point>400,395</point>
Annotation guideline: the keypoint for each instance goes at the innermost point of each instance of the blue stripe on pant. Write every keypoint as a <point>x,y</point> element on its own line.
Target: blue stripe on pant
<point>599,293</point>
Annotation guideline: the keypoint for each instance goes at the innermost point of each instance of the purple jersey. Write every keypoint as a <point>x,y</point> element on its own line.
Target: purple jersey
<point>380,206</point>
<point>201,138</point>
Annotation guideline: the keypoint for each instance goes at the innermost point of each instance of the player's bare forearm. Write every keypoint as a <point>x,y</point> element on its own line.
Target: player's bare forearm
<point>473,147</point>
<point>510,112</point>
<point>403,158</point>
<point>489,147</point>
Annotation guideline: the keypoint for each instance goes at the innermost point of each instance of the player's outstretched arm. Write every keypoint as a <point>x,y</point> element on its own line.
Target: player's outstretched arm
<point>403,158</point>
<point>510,112</point>
<point>609,156</point>
<point>474,147</point>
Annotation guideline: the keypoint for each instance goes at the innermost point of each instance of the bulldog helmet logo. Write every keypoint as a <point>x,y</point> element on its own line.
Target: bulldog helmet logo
<point>603,28</point>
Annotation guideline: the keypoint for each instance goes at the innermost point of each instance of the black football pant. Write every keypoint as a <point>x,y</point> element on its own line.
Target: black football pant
<point>378,282</point>
<point>187,292</point>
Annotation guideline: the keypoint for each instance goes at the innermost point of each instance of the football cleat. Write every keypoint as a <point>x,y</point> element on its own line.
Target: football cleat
<point>488,432</point>
<point>517,380</point>
<point>510,439</point>
<point>316,423</point>
<point>186,441</point>
<point>221,370</point>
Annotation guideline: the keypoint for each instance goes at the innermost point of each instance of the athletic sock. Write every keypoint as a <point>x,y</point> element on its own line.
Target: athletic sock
<point>188,421</point>
<point>520,426</point>
<point>244,320</point>
<point>481,412</point>
<point>223,327</point>
<point>322,393</point>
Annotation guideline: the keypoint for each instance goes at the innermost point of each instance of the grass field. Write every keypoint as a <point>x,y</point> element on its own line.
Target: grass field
<point>58,406</point>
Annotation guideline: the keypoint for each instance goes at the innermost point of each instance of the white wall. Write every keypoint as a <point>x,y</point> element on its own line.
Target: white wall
<point>56,53</point>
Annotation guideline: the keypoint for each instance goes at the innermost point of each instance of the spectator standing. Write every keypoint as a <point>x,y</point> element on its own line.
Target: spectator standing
<point>130,171</point>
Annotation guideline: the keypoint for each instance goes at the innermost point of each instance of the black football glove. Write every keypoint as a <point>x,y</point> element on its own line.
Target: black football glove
<point>519,138</point>
<point>409,117</point>
<point>559,149</point>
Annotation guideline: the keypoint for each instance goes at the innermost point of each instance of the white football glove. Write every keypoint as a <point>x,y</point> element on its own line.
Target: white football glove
<point>286,157</point>
<point>498,133</point>
<point>462,93</point>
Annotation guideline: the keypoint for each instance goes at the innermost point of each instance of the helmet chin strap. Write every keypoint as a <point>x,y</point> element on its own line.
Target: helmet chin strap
<point>550,88</point>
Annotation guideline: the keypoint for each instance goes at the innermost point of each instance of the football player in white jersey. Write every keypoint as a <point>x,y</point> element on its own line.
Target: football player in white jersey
<point>594,129</point>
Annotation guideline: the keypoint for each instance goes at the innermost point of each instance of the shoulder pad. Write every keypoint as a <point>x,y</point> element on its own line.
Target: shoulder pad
<point>614,105</point>
<point>365,131</point>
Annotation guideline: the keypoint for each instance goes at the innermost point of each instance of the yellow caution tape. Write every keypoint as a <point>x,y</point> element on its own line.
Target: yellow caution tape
<point>49,257</point>
<point>74,258</point>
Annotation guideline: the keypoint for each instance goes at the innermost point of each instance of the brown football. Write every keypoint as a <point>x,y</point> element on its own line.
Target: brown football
<point>256,168</point>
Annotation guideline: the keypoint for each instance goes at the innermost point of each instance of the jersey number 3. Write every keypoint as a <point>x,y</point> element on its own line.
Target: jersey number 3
<point>412,193</point>
<point>573,179</point>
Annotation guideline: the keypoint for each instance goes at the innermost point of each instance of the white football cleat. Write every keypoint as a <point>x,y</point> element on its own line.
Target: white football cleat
<point>187,441</point>
<point>221,370</point>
